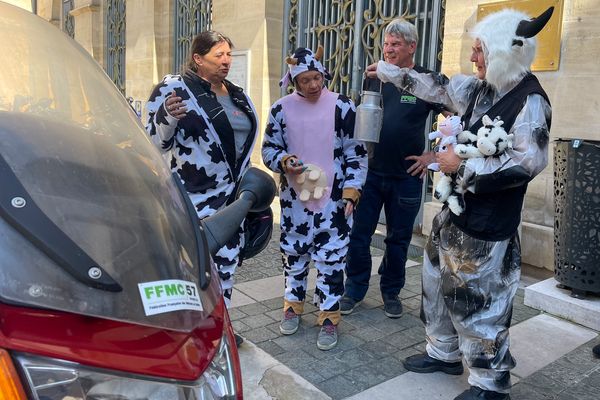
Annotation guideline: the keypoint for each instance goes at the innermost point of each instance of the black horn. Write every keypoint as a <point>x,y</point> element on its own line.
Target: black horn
<point>532,27</point>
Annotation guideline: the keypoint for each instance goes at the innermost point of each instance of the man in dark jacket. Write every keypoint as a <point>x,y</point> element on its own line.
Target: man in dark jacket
<point>389,182</point>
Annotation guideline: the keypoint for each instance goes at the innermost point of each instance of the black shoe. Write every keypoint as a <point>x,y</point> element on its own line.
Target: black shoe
<point>424,364</point>
<point>476,393</point>
<point>348,304</point>
<point>392,306</point>
<point>238,340</point>
<point>596,350</point>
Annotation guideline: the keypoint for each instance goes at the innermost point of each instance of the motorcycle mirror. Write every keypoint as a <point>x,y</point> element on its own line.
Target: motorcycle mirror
<point>255,193</point>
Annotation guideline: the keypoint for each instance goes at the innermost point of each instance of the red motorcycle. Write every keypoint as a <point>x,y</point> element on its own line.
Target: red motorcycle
<point>105,274</point>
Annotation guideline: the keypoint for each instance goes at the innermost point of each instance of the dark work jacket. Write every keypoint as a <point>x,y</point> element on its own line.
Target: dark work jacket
<point>493,212</point>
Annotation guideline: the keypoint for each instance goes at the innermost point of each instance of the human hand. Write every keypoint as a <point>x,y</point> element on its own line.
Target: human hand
<point>294,166</point>
<point>371,71</point>
<point>174,106</point>
<point>448,160</point>
<point>419,168</point>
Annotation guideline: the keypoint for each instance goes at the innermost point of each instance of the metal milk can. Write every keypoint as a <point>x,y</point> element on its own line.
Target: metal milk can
<point>369,114</point>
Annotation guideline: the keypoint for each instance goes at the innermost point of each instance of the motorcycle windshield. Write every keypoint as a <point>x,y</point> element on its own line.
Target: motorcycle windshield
<point>85,164</point>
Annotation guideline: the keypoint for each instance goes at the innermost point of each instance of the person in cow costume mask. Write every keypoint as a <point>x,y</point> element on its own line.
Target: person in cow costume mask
<point>471,264</point>
<point>309,141</point>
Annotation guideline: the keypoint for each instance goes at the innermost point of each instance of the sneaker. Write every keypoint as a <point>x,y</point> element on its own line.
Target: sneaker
<point>289,322</point>
<point>348,304</point>
<point>424,364</point>
<point>476,393</point>
<point>596,350</point>
<point>327,338</point>
<point>392,306</point>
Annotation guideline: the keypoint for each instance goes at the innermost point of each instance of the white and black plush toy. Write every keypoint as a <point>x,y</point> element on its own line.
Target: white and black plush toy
<point>491,140</point>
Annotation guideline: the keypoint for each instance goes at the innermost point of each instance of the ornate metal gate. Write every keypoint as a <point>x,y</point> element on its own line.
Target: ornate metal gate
<point>115,42</point>
<point>352,43</point>
<point>67,21</point>
<point>191,18</point>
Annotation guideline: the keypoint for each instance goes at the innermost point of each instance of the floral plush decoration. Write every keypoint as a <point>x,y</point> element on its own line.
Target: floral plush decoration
<point>491,140</point>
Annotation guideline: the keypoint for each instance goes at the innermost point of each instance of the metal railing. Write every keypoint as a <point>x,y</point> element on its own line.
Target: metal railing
<point>115,42</point>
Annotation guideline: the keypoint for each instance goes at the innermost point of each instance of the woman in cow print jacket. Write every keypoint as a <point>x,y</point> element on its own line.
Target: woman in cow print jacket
<point>206,126</point>
<point>309,128</point>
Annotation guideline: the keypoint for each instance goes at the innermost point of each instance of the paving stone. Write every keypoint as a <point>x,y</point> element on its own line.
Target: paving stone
<point>354,358</point>
<point>369,333</point>
<point>330,366</point>
<point>253,309</point>
<point>369,303</point>
<point>412,304</point>
<point>273,304</point>
<point>271,347</point>
<point>406,338</point>
<point>256,321</point>
<point>365,376</point>
<point>276,315</point>
<point>378,349</point>
<point>236,313</point>
<point>308,320</point>
<point>295,359</point>
<point>311,374</point>
<point>338,387</point>
<point>240,327</point>
<point>259,335</point>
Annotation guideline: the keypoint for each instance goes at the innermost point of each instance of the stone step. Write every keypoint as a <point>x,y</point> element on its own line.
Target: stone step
<point>547,297</point>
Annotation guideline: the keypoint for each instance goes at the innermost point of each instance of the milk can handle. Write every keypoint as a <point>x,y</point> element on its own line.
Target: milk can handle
<point>372,85</point>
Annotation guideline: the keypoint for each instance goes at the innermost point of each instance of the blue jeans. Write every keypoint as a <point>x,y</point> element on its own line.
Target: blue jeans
<point>401,199</point>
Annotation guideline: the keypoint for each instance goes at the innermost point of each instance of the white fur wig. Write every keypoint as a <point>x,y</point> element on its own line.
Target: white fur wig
<point>508,42</point>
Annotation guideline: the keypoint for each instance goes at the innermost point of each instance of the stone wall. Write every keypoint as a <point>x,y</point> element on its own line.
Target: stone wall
<point>573,93</point>
<point>255,26</point>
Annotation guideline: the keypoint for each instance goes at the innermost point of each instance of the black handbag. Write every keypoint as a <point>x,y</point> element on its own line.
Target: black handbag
<point>258,229</point>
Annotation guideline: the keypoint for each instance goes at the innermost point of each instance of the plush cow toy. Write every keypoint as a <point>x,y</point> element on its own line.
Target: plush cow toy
<point>313,183</point>
<point>491,140</point>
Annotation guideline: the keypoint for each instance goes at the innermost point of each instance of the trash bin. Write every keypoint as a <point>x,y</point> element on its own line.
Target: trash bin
<point>577,215</point>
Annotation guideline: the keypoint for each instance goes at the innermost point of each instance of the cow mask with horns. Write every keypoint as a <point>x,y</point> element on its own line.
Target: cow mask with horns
<point>508,42</point>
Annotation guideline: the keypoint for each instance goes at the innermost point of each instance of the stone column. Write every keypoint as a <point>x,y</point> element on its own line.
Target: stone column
<point>90,28</point>
<point>149,36</point>
<point>255,26</point>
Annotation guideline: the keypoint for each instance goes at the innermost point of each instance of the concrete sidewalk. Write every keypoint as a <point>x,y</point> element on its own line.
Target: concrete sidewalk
<point>554,359</point>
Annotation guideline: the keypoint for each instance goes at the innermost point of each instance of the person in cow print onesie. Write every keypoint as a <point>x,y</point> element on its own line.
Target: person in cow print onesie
<point>472,261</point>
<point>312,129</point>
<point>206,127</point>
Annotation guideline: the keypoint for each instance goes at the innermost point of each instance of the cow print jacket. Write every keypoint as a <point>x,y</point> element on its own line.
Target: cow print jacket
<point>201,146</point>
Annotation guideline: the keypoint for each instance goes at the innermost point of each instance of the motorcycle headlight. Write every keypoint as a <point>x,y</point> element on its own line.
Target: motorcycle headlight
<point>53,379</point>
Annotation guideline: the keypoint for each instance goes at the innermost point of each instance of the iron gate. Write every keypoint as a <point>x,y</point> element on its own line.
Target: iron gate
<point>115,42</point>
<point>67,21</point>
<point>352,43</point>
<point>191,18</point>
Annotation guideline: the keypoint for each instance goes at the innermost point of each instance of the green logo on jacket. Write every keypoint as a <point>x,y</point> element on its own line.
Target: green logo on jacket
<point>406,98</point>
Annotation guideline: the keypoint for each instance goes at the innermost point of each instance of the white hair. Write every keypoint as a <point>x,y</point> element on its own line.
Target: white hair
<point>508,57</point>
